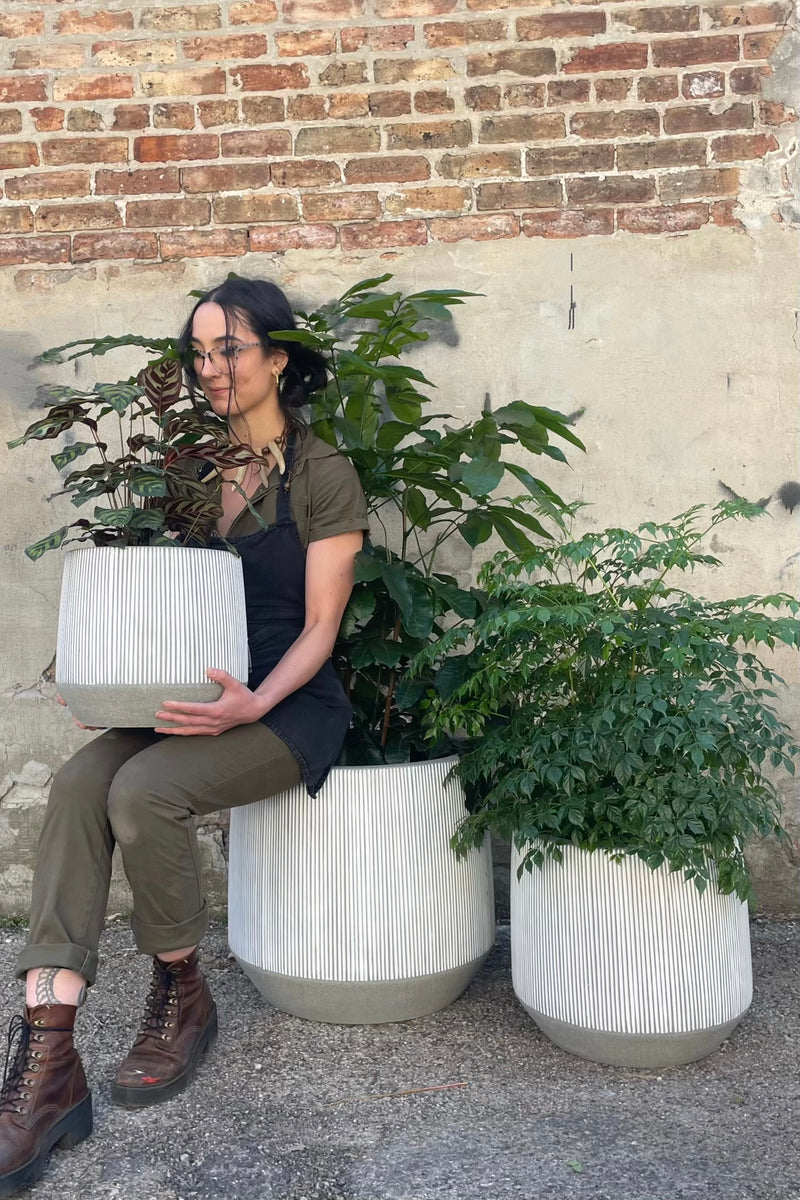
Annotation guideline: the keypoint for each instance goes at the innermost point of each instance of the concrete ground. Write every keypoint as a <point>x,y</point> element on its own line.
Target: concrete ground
<point>283,1109</point>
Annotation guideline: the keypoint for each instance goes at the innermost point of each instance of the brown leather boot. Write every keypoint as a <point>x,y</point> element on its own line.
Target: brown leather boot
<point>44,1101</point>
<point>180,1022</point>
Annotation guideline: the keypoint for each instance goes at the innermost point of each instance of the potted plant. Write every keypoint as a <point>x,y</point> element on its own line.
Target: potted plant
<point>140,615</point>
<point>622,731</point>
<point>352,907</point>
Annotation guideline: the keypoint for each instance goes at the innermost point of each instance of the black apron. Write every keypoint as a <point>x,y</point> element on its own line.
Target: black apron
<point>313,720</point>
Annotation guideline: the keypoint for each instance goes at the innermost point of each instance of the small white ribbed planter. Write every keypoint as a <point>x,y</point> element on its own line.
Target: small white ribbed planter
<point>625,965</point>
<point>352,907</point>
<point>141,624</point>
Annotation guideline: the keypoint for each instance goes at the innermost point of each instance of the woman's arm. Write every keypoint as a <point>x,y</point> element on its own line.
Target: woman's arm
<point>329,582</point>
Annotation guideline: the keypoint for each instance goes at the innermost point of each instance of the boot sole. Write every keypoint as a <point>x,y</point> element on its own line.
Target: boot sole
<point>142,1097</point>
<point>74,1126</point>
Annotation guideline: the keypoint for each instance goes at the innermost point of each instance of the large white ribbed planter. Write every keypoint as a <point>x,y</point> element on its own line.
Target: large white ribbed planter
<point>141,624</point>
<point>626,965</point>
<point>352,907</point>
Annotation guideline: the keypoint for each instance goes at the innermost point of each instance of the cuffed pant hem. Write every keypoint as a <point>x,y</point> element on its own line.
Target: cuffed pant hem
<point>158,939</point>
<point>72,958</point>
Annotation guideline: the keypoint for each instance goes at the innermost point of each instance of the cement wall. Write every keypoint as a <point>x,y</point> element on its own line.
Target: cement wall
<point>681,352</point>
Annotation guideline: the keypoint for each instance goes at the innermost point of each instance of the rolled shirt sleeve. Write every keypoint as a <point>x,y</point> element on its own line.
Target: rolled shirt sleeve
<point>336,498</point>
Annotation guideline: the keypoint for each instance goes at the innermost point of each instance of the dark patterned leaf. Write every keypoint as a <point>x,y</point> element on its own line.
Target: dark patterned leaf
<point>162,382</point>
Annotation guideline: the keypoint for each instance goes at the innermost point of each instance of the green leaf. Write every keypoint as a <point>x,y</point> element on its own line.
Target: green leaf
<point>117,518</point>
<point>412,598</point>
<point>367,567</point>
<point>405,408</point>
<point>51,542</point>
<point>119,395</point>
<point>64,457</point>
<point>482,475</point>
<point>148,481</point>
<point>148,518</point>
<point>417,508</point>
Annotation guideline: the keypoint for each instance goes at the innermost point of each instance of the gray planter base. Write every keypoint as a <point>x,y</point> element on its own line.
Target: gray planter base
<point>371,1003</point>
<point>130,705</point>
<point>648,1050</point>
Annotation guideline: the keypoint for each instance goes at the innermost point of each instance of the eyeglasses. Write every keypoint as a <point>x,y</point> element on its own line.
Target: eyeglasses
<point>223,358</point>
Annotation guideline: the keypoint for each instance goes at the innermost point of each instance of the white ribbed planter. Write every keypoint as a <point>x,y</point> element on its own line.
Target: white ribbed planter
<point>141,624</point>
<point>625,965</point>
<point>351,907</point>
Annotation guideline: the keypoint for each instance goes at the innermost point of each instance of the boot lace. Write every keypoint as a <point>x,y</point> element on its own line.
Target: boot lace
<point>161,1006</point>
<point>20,1061</point>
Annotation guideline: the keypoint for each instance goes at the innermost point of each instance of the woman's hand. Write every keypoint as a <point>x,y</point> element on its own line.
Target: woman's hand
<point>236,706</point>
<point>80,724</point>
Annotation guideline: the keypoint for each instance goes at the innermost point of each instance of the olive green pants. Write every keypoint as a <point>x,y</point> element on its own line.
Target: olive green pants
<point>141,791</point>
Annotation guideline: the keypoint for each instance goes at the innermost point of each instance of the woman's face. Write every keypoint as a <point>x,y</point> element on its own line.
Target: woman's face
<point>239,381</point>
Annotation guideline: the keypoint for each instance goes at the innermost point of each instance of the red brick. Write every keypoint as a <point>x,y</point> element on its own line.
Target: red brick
<point>612,56</point>
<point>52,185</point>
<point>23,87</point>
<point>482,98</point>
<point>389,104</point>
<point>175,147</point>
<point>173,116</point>
<point>87,247</point>
<point>51,55</point>
<point>568,91</point>
<point>658,19</point>
<point>14,155</point>
<point>520,62</point>
<point>265,110</point>
<point>703,85</point>
<point>384,37</point>
<point>303,107</point>
<point>433,101</point>
<point>336,139</point>
<point>626,123</point>
<point>133,54</point>
<point>745,80</point>
<point>673,219</point>
<point>21,25</point>
<point>540,193</point>
<point>407,70</point>
<point>414,8</point>
<point>723,212</point>
<point>260,143</point>
<point>611,189</point>
<point>343,74</point>
<point>475,229</point>
<point>93,87</point>
<point>346,105</point>
<point>524,95</point>
<point>612,89</point>
<point>341,206</point>
<point>692,185</point>
<point>84,120</point>
<point>131,116</point>
<point>76,21</point>
<point>540,127</point>
<point>571,223</point>
<point>548,26</point>
<point>643,156</point>
<point>747,14</point>
<point>274,239</point>
<point>384,233</point>
<point>658,87</point>
<point>309,42</point>
<point>253,12</point>
<point>740,146</point>
<point>305,173</point>
<point>401,169</point>
<point>209,82</point>
<point>270,79</point>
<point>15,250</point>
<point>16,220</point>
<point>47,120</point>
<point>219,112</point>
<point>137,183</point>
<point>302,12</point>
<point>460,33</point>
<point>501,163</point>
<point>11,120</point>
<point>182,18</point>
<point>235,177</point>
<point>251,210</point>
<point>215,49</point>
<point>684,52</point>
<point>203,243</point>
<point>428,135</point>
<point>698,118</point>
<point>427,200</point>
<point>762,45</point>
<point>570,160</point>
<point>66,218</point>
<point>772,112</point>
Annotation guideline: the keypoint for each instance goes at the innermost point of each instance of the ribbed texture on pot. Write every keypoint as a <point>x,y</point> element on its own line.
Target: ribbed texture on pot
<point>150,614</point>
<point>359,884</point>
<point>621,948</point>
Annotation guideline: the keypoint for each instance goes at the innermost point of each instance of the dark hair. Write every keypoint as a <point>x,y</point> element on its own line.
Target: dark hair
<point>265,308</point>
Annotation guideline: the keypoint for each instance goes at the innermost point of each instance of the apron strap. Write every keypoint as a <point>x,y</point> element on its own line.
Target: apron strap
<point>284,513</point>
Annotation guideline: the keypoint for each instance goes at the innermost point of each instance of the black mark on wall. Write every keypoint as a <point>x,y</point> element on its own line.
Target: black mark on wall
<point>789,495</point>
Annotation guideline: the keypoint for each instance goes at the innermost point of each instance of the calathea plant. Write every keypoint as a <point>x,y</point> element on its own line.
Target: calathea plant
<point>608,707</point>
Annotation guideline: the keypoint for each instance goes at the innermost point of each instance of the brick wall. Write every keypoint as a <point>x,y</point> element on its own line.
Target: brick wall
<point>165,132</point>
